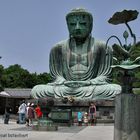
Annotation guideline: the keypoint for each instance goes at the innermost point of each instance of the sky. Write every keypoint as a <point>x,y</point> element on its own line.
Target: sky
<point>30,28</point>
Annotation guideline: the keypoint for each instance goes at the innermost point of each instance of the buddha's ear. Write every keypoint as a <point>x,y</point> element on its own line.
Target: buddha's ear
<point>70,35</point>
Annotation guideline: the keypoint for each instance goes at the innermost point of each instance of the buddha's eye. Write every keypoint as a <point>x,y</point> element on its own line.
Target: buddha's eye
<point>73,24</point>
<point>83,23</point>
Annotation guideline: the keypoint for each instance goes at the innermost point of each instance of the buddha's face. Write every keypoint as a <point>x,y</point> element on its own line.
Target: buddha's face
<point>79,26</point>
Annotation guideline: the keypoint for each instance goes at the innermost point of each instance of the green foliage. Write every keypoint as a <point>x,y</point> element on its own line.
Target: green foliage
<point>116,77</point>
<point>16,77</point>
<point>1,73</point>
<point>135,51</point>
<point>136,83</point>
<point>43,78</point>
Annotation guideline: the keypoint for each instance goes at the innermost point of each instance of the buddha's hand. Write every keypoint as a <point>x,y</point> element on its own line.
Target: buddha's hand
<point>76,84</point>
<point>98,81</point>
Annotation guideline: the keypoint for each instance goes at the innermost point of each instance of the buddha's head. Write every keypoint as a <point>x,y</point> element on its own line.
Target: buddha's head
<point>79,22</point>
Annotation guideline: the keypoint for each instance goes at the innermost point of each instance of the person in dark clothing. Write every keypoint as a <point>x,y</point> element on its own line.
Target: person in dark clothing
<point>8,110</point>
<point>92,113</point>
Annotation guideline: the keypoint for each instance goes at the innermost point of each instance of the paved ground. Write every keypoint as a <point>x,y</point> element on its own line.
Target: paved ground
<point>13,131</point>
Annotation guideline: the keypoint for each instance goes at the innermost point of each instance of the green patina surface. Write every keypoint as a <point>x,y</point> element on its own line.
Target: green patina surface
<point>127,57</point>
<point>80,66</point>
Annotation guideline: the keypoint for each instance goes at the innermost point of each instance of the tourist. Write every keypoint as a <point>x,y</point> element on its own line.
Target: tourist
<point>27,118</point>
<point>85,118</point>
<point>31,114</point>
<point>38,112</point>
<point>22,112</point>
<point>92,113</point>
<point>79,118</point>
<point>8,110</point>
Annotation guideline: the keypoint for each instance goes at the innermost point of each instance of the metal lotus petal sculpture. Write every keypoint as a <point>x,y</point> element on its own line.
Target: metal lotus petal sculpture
<point>125,62</point>
<point>124,17</point>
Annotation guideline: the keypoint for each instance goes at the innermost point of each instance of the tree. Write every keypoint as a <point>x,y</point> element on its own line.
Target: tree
<point>43,78</point>
<point>1,74</point>
<point>16,77</point>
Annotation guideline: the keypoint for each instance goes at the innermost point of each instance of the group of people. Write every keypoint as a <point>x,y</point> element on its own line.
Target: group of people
<point>87,117</point>
<point>28,112</point>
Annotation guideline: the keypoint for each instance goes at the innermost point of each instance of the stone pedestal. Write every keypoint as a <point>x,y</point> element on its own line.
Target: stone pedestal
<point>44,125</point>
<point>62,116</point>
<point>127,117</point>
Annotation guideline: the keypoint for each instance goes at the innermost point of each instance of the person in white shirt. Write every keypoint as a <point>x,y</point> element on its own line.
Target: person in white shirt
<point>22,112</point>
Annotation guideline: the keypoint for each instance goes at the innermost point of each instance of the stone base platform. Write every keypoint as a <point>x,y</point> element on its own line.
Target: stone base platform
<point>64,110</point>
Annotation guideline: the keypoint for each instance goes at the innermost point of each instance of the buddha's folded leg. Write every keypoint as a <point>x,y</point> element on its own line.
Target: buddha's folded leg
<point>107,91</point>
<point>40,91</point>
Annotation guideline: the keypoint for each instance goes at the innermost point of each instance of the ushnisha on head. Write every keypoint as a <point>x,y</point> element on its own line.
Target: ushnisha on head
<point>80,11</point>
<point>79,22</point>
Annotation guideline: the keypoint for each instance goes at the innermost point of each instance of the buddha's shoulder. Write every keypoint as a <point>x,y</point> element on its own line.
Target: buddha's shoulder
<point>100,43</point>
<point>58,46</point>
<point>61,44</point>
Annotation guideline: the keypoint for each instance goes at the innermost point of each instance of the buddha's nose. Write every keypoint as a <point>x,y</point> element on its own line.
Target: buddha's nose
<point>77,26</point>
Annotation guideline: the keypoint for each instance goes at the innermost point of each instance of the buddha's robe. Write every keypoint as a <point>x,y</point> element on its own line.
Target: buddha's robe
<point>82,75</point>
